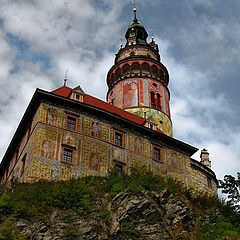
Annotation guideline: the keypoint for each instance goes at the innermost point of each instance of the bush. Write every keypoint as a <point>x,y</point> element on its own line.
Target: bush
<point>105,215</point>
<point>5,207</point>
<point>9,230</point>
<point>70,234</point>
<point>128,231</point>
<point>39,198</point>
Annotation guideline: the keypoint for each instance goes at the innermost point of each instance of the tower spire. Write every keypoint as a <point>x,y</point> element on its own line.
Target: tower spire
<point>135,20</point>
<point>135,13</point>
<point>65,78</point>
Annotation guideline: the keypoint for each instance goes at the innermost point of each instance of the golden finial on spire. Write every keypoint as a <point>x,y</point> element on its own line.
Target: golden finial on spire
<point>65,78</point>
<point>135,13</point>
<point>134,10</point>
<point>152,35</point>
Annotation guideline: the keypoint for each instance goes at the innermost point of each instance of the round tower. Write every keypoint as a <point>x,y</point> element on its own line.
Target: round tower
<point>138,80</point>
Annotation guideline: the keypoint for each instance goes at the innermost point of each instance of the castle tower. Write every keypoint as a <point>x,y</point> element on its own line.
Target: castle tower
<point>138,80</point>
<point>205,158</point>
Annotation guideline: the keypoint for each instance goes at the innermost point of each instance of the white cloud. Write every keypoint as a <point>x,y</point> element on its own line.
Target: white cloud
<point>68,33</point>
<point>193,114</point>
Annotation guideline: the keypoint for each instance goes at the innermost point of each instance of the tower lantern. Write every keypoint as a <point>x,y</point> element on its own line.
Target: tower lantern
<point>138,80</point>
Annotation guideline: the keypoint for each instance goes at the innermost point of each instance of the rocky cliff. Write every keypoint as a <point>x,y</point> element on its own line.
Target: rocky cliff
<point>137,207</point>
<point>145,215</point>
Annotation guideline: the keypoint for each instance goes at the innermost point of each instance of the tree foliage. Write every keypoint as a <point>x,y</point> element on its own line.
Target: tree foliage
<point>231,187</point>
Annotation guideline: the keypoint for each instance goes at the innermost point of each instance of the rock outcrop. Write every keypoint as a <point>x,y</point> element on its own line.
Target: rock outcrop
<point>145,215</point>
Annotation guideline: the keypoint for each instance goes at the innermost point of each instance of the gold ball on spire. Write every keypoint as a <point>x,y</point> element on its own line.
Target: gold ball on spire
<point>134,9</point>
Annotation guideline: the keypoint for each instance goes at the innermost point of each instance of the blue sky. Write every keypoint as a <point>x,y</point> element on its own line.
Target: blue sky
<point>198,42</point>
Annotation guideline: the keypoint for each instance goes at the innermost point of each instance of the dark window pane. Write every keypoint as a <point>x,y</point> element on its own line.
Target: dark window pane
<point>158,102</point>
<point>119,170</point>
<point>118,138</point>
<point>71,123</point>
<point>153,105</point>
<point>156,153</point>
<point>67,156</point>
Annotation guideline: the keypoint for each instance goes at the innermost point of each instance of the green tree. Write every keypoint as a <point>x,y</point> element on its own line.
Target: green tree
<point>231,187</point>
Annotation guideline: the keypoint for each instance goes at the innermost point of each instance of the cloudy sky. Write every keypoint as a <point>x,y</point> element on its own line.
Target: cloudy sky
<point>199,42</point>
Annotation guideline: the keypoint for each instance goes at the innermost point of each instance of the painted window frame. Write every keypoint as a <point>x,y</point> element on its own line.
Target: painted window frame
<point>157,147</point>
<point>120,164</point>
<point>69,150</point>
<point>76,122</point>
<point>120,133</point>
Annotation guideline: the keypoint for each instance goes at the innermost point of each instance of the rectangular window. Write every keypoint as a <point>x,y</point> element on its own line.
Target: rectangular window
<point>67,156</point>
<point>118,138</point>
<point>71,123</point>
<point>119,170</point>
<point>157,154</point>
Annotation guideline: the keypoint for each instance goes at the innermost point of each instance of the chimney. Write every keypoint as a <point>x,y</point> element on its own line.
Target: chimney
<point>205,158</point>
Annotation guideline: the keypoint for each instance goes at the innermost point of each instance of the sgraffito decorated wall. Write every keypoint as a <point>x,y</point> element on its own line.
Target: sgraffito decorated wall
<point>94,151</point>
<point>132,51</point>
<point>162,120</point>
<point>134,95</point>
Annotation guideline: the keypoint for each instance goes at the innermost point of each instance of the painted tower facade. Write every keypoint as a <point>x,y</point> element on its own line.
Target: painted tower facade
<point>138,80</point>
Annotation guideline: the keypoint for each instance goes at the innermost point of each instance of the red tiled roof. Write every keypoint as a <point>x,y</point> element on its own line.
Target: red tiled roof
<point>106,106</point>
<point>66,91</point>
<point>63,91</point>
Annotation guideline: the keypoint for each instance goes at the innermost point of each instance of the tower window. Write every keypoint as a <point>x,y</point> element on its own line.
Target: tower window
<point>71,123</point>
<point>67,156</point>
<point>112,101</point>
<point>209,183</point>
<point>118,138</point>
<point>77,96</point>
<point>158,102</point>
<point>153,105</point>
